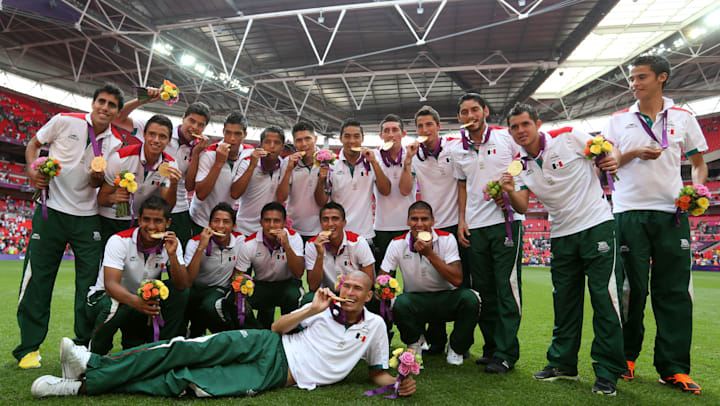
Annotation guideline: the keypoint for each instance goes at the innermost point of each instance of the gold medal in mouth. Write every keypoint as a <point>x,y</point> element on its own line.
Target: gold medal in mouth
<point>424,236</point>
<point>218,233</point>
<point>387,146</point>
<point>157,236</point>
<point>326,232</point>
<point>342,299</point>
<point>422,139</point>
<point>356,149</point>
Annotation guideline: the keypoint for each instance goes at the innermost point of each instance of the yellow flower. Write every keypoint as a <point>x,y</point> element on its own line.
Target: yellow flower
<point>129,176</point>
<point>595,149</point>
<point>250,284</point>
<point>243,290</point>
<point>132,187</point>
<point>393,283</point>
<point>703,203</point>
<point>698,211</point>
<point>123,183</point>
<point>250,291</point>
<point>164,292</point>
<point>167,89</point>
<point>607,146</point>
<point>174,93</point>
<point>165,96</point>
<point>393,362</point>
<point>598,140</point>
<point>397,352</point>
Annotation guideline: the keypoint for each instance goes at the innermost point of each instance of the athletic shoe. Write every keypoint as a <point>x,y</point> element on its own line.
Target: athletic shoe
<point>498,366</point>
<point>30,360</point>
<point>453,358</point>
<point>604,387</point>
<point>483,360</point>
<point>629,374</point>
<point>73,358</point>
<point>683,382</point>
<point>49,385</point>
<point>551,374</point>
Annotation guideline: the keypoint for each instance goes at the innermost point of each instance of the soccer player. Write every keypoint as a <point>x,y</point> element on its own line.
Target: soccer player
<point>299,182</point>
<point>216,168</point>
<point>432,273</point>
<point>652,135</point>
<point>335,251</point>
<point>186,144</point>
<point>492,258</point>
<point>275,254</point>
<point>391,209</point>
<point>132,256</point>
<point>74,140</point>
<point>583,244</point>
<point>258,177</point>
<point>352,177</point>
<point>242,362</point>
<point>210,258</point>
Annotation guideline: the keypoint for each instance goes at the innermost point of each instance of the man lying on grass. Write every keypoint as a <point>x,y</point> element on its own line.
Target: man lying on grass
<point>331,340</point>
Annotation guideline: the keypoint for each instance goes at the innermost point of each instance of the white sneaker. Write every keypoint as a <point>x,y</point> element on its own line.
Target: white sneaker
<point>418,346</point>
<point>453,357</point>
<point>73,358</point>
<point>49,385</point>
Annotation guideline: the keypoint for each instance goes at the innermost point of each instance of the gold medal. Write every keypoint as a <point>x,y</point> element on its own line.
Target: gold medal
<point>467,124</point>
<point>163,169</point>
<point>356,149</point>
<point>422,139</point>
<point>424,236</point>
<point>515,168</point>
<point>157,236</point>
<point>386,146</point>
<point>217,233</point>
<point>98,164</point>
<point>325,233</point>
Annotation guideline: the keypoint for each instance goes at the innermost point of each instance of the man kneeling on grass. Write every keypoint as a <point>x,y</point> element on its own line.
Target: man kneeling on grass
<point>331,340</point>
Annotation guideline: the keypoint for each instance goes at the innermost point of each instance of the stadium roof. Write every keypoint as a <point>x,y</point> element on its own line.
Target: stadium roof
<point>330,60</point>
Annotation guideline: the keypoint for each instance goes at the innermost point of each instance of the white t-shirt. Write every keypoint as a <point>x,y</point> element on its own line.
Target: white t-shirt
<point>566,183</point>
<point>268,266</point>
<point>200,209</point>
<point>391,210</point>
<point>437,183</point>
<point>354,191</point>
<point>353,254</point>
<point>132,159</point>
<point>325,352</point>
<point>301,205</point>
<point>477,167</point>
<point>653,184</point>
<point>259,192</point>
<point>216,269</point>
<point>121,253</point>
<point>67,135</point>
<point>181,153</point>
<point>417,272</point>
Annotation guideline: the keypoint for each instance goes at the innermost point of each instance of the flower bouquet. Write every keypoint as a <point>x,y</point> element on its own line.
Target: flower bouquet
<point>596,150</point>
<point>490,191</point>
<point>386,288</point>
<point>695,199</point>
<point>168,92</point>
<point>243,286</point>
<point>154,289</point>
<point>324,157</point>
<point>407,362</point>
<point>50,168</point>
<point>125,180</point>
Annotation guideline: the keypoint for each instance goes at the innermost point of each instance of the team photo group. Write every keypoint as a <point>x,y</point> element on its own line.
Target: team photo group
<point>186,247</point>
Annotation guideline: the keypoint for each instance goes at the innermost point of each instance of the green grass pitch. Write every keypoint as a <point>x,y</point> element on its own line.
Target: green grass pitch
<point>439,383</point>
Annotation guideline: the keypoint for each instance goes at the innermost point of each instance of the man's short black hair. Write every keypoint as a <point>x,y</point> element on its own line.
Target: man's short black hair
<point>421,205</point>
<point>351,122</point>
<point>303,126</point>
<point>523,108</point>
<point>109,88</point>
<point>273,129</point>
<point>657,63</point>
<point>156,203</point>
<point>236,118</point>
<point>471,96</point>
<point>333,206</point>
<point>394,118</point>
<point>273,206</point>
<point>222,206</point>
<point>161,120</point>
<point>199,108</point>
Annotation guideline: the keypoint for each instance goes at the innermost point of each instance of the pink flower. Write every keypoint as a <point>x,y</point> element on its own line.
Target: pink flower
<point>415,369</point>
<point>407,358</point>
<point>702,190</point>
<point>485,195</point>
<point>404,369</point>
<point>324,155</point>
<point>383,279</point>
<point>38,162</point>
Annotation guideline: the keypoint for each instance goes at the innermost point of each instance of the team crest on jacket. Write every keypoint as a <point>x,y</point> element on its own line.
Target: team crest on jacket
<point>603,246</point>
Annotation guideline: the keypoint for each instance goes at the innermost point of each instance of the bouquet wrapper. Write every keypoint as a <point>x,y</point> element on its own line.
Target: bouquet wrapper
<point>394,387</point>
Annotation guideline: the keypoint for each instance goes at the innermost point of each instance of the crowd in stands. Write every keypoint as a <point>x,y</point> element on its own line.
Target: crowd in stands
<point>20,117</point>
<point>711,129</point>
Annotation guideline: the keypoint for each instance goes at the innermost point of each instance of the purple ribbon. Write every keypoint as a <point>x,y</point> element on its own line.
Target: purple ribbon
<point>608,177</point>
<point>150,168</point>
<point>43,197</point>
<point>509,218</point>
<point>328,183</point>
<point>241,308</point>
<point>362,160</point>
<point>466,141</point>
<point>664,143</point>
<point>394,387</point>
<point>426,151</point>
<point>215,240</point>
<point>155,249</point>
<point>269,171</point>
<point>387,159</point>
<point>411,243</point>
<point>269,246</point>
<point>385,310</point>
<point>157,322</point>
<point>339,315</point>
<point>93,140</point>
<point>677,217</point>
<point>539,155</point>
<point>132,209</point>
